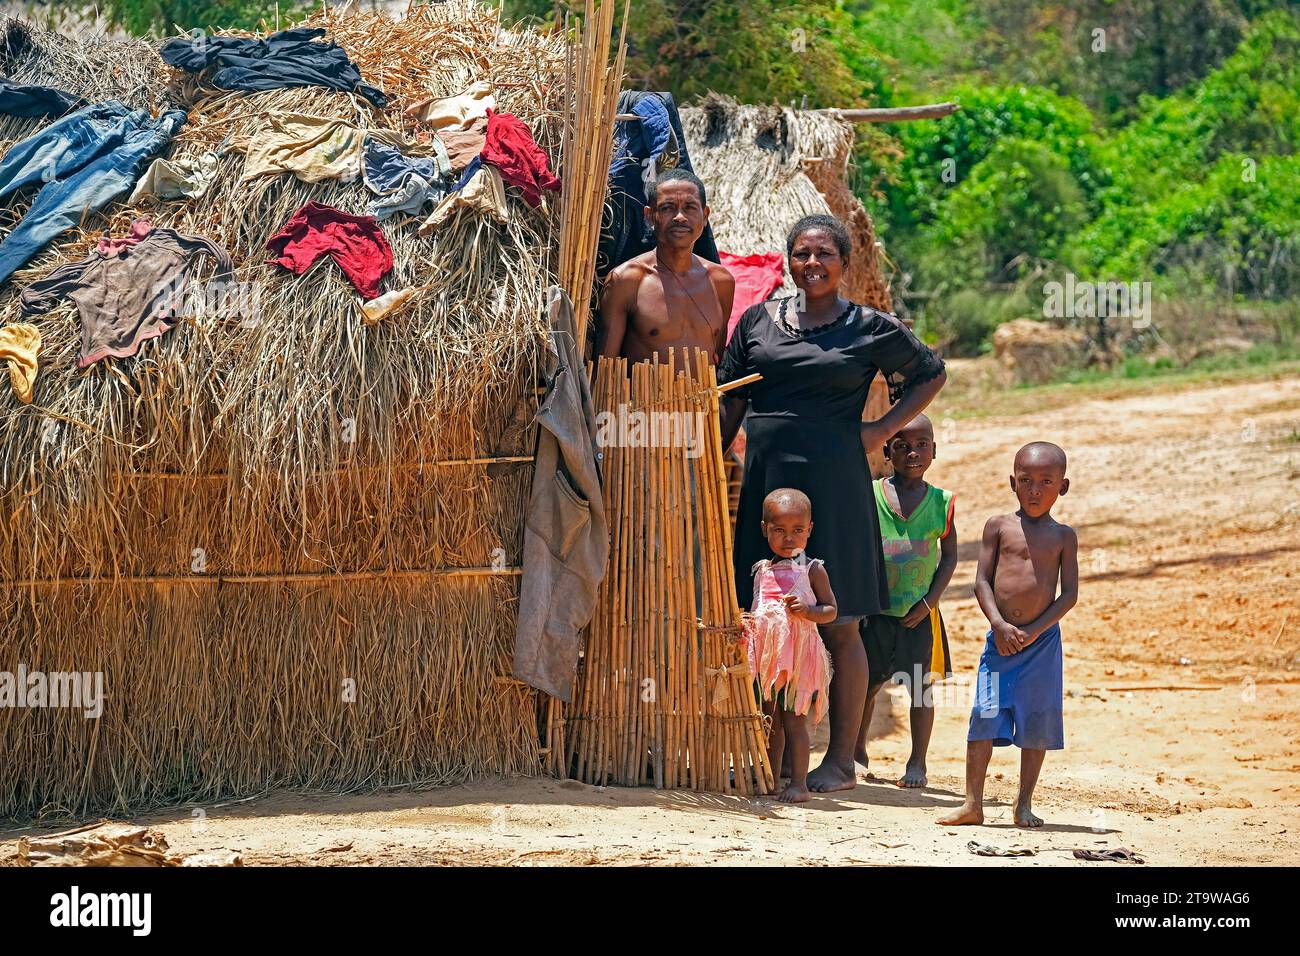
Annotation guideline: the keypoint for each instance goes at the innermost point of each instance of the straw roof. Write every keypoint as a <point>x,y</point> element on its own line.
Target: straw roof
<point>246,527</point>
<point>765,167</point>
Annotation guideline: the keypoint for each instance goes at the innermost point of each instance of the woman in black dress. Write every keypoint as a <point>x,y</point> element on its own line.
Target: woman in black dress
<point>804,429</point>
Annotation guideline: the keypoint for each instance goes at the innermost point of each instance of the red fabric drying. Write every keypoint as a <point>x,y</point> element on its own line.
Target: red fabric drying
<point>757,277</point>
<point>356,243</point>
<point>511,149</point>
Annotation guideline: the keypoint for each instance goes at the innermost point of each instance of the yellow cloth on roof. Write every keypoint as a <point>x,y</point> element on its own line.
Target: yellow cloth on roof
<point>19,345</point>
<point>459,112</point>
<point>385,305</point>
<point>484,193</point>
<point>313,148</point>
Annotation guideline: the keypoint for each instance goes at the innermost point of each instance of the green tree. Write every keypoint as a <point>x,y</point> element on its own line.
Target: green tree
<point>761,51</point>
<point>1019,204</point>
<point>162,17</point>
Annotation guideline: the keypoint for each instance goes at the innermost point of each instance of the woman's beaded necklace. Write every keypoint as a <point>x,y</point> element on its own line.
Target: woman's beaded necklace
<point>798,332</point>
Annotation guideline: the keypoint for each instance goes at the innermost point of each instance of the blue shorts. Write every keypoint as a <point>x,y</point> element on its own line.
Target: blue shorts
<point>1018,697</point>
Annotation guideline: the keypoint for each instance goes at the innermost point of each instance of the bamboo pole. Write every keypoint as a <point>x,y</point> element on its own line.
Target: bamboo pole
<point>629,560</point>
<point>895,114</point>
<point>345,469</point>
<point>321,577</point>
<point>593,88</point>
<point>690,630</point>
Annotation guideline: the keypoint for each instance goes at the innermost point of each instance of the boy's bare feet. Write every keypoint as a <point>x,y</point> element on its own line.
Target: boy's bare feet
<point>795,793</point>
<point>828,778</point>
<point>1024,816</point>
<point>965,815</point>
<point>914,776</point>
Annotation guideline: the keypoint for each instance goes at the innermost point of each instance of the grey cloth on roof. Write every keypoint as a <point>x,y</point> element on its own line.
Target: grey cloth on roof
<point>176,179</point>
<point>404,183</point>
<point>128,297</point>
<point>566,539</point>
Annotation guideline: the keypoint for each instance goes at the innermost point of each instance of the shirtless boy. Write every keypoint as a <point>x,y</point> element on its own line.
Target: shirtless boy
<point>1018,689</point>
<point>667,298</point>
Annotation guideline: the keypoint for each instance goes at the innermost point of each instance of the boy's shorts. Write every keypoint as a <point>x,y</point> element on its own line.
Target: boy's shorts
<point>1018,696</point>
<point>904,653</point>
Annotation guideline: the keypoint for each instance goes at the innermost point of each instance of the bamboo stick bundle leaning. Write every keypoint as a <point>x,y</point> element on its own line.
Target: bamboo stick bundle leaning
<point>593,87</point>
<point>748,740</point>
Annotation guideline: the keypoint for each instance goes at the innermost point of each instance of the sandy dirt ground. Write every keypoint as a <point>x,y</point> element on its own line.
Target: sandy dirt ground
<point>1182,674</point>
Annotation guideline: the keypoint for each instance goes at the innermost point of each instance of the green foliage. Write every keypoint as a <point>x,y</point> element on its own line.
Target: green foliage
<point>1109,53</point>
<point>922,45</point>
<point>1202,190</point>
<point>963,321</point>
<point>1237,232</point>
<point>956,144</point>
<point>161,17</point>
<point>760,51</point>
<point>1140,367</point>
<point>1019,203</point>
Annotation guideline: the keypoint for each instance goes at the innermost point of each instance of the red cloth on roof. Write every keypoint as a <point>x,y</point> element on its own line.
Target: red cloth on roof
<point>356,243</point>
<point>757,276</point>
<point>511,149</point>
<point>108,246</point>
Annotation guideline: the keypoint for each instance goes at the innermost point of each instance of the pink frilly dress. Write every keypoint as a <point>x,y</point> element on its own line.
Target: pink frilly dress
<point>786,653</point>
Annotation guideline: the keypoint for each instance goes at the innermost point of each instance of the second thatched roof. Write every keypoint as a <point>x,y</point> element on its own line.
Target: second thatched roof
<point>765,167</point>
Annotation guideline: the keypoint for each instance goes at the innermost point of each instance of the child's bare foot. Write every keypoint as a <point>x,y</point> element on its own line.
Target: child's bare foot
<point>862,758</point>
<point>829,777</point>
<point>914,776</point>
<point>1024,817</point>
<point>795,793</point>
<point>965,815</point>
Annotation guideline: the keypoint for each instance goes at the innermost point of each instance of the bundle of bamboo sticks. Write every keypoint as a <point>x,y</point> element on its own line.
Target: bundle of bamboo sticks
<point>593,88</point>
<point>664,695</point>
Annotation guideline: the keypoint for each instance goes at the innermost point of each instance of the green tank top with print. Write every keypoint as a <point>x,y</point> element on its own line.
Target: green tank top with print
<point>911,544</point>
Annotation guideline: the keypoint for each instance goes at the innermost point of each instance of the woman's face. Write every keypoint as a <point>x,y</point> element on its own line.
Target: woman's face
<point>816,264</point>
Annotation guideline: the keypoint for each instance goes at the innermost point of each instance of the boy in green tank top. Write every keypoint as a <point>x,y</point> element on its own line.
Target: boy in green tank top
<point>907,641</point>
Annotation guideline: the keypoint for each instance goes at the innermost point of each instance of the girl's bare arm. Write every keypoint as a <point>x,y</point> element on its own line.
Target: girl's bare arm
<point>825,610</point>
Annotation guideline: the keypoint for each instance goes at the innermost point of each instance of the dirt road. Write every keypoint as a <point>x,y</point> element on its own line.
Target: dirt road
<point>1182,672</point>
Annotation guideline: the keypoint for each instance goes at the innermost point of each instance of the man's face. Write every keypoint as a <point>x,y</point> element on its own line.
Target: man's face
<point>1038,482</point>
<point>911,451</point>
<point>678,216</point>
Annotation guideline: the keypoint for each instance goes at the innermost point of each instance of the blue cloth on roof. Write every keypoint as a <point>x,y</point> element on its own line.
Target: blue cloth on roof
<point>658,138</point>
<point>24,99</point>
<point>285,59</point>
<point>387,167</point>
<point>84,161</point>
<point>474,166</point>
<point>1018,697</point>
<point>403,183</point>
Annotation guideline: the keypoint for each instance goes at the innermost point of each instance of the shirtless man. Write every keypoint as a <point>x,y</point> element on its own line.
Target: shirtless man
<point>669,297</point>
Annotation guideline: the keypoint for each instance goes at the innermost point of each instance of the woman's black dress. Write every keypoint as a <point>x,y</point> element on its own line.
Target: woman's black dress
<point>803,428</point>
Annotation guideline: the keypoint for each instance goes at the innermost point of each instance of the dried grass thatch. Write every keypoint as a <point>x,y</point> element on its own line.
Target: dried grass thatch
<point>243,518</point>
<point>765,167</point>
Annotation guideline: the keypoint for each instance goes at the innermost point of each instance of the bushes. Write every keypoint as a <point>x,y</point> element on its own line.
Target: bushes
<point>1237,233</point>
<point>1019,203</point>
<point>1199,195</point>
<point>958,143</point>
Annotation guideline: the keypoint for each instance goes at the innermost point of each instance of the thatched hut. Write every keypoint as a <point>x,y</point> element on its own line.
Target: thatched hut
<point>766,166</point>
<point>289,544</point>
